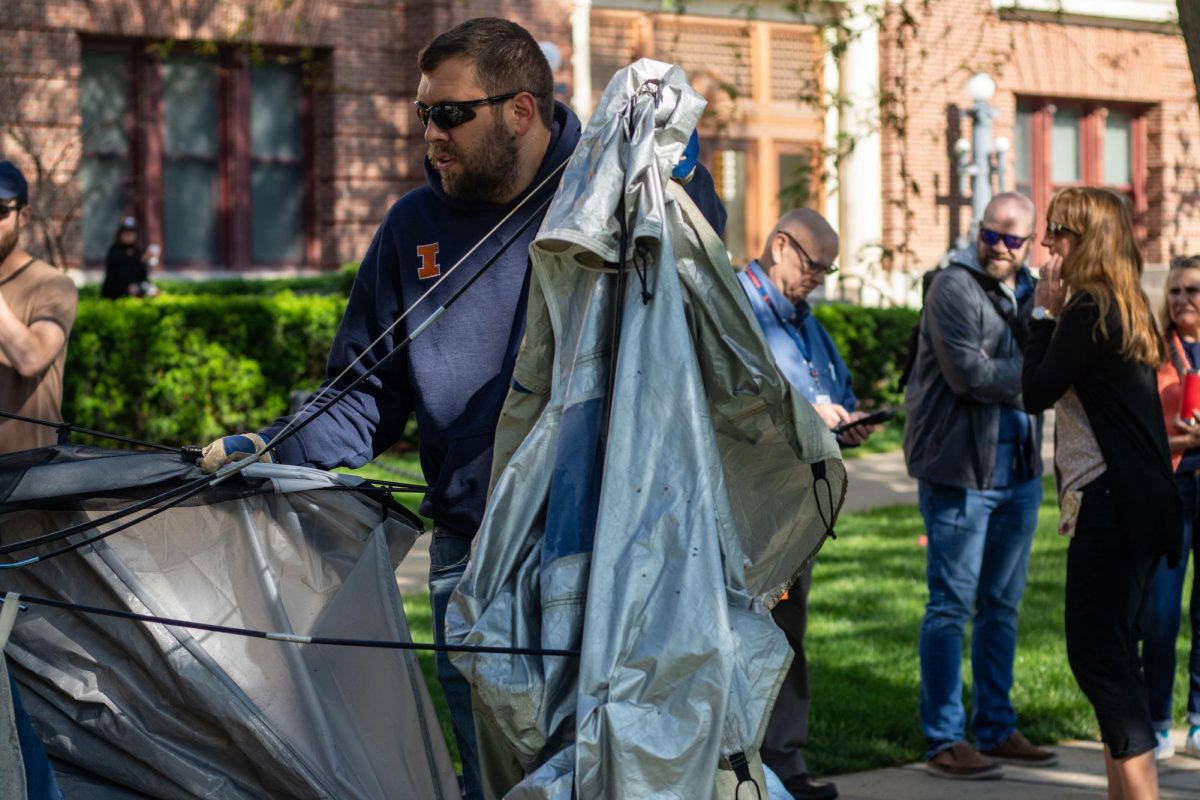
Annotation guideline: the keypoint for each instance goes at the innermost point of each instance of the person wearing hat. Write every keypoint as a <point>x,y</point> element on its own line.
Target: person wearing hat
<point>37,308</point>
<point>126,265</point>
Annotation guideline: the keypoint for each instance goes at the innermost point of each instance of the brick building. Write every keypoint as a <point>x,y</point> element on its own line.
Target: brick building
<point>1087,92</point>
<point>259,135</point>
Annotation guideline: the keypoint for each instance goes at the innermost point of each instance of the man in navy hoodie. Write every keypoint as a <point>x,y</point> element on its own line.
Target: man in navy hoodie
<point>495,138</point>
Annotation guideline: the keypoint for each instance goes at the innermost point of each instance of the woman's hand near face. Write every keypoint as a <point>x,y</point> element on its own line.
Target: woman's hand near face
<point>1051,293</point>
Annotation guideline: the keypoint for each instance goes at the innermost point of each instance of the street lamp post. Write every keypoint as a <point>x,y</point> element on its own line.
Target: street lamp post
<point>981,158</point>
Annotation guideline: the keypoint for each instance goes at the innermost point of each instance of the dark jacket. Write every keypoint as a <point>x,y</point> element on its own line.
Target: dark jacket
<point>455,375</point>
<point>968,363</point>
<point>123,265</point>
<point>1120,397</point>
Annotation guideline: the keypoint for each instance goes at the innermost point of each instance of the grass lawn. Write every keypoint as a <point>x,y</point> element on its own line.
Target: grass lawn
<point>866,604</point>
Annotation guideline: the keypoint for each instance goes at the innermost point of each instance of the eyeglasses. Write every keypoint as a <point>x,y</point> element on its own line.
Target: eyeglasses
<point>7,209</point>
<point>1057,228</point>
<point>451,115</point>
<point>809,261</point>
<point>992,238</point>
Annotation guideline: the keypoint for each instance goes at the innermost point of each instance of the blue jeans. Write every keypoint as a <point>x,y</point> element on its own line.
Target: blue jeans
<point>979,542</point>
<point>1161,616</point>
<point>40,783</point>
<point>447,562</point>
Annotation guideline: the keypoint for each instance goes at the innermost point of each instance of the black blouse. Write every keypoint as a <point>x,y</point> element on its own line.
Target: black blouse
<point>1120,397</point>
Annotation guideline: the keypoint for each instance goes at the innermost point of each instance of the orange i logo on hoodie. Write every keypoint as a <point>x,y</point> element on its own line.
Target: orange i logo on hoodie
<point>429,265</point>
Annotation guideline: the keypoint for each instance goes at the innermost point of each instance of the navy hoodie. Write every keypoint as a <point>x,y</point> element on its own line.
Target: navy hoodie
<point>456,374</point>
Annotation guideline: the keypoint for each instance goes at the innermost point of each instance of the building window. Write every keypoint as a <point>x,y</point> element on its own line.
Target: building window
<point>104,99</point>
<point>207,148</point>
<point>1061,143</point>
<point>730,175</point>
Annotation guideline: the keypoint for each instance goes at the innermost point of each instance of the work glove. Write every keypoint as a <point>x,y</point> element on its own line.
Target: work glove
<point>234,448</point>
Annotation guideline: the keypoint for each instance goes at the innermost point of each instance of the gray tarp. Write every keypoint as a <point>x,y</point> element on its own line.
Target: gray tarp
<point>658,554</point>
<point>177,713</point>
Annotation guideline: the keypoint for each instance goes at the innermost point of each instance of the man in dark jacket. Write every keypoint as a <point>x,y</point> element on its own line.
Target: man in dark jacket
<point>495,138</point>
<point>977,457</point>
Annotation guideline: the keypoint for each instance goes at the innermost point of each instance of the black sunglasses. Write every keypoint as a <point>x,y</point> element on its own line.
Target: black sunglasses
<point>992,238</point>
<point>9,208</point>
<point>451,115</point>
<point>815,266</point>
<point>1057,229</point>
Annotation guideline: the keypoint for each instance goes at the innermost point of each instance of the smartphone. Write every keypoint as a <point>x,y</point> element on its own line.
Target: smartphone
<point>880,416</point>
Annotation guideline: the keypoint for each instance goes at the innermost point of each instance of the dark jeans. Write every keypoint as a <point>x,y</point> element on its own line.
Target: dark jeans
<point>447,561</point>
<point>1161,618</point>
<point>1107,580</point>
<point>40,783</point>
<point>978,554</point>
<point>787,727</point>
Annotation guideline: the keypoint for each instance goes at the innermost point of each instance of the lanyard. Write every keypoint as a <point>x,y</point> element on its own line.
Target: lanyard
<point>797,336</point>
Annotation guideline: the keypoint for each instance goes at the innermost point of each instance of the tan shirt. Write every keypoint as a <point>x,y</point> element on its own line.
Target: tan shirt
<point>35,292</point>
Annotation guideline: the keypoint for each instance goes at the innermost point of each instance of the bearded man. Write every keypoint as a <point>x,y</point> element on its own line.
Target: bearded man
<point>496,137</point>
<point>37,309</point>
<point>976,455</point>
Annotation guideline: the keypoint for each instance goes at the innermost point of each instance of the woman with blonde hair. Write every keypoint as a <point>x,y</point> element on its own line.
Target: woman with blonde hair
<point>1092,353</point>
<point>1180,318</point>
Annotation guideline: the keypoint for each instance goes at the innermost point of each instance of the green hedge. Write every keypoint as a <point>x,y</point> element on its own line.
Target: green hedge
<point>184,369</point>
<point>874,343</point>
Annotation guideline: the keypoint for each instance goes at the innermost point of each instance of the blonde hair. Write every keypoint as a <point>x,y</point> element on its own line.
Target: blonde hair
<point>1164,313</point>
<point>1105,262</point>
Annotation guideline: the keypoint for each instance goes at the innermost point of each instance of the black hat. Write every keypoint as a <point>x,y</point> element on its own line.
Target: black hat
<point>12,183</point>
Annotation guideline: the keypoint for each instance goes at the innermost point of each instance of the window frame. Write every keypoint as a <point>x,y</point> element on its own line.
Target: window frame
<point>146,160</point>
<point>1093,116</point>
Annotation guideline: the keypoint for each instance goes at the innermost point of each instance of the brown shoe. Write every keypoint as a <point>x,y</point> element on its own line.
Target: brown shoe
<point>962,762</point>
<point>1016,749</point>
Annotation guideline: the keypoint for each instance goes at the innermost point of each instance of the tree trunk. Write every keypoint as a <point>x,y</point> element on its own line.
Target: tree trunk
<point>1189,22</point>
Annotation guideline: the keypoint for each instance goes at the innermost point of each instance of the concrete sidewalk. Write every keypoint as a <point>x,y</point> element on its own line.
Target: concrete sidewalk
<point>1078,774</point>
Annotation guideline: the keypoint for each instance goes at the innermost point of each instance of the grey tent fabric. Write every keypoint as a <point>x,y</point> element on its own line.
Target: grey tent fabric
<point>658,550</point>
<point>158,711</point>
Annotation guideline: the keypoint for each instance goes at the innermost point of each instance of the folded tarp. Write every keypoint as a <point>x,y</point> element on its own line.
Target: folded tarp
<point>140,709</point>
<point>647,511</point>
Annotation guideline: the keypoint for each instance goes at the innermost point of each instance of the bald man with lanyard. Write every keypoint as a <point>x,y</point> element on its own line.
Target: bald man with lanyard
<point>797,256</point>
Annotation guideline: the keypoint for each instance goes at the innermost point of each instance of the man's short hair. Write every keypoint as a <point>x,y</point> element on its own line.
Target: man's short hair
<point>505,58</point>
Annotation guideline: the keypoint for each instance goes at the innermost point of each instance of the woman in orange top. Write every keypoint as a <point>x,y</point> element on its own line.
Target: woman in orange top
<point>1160,622</point>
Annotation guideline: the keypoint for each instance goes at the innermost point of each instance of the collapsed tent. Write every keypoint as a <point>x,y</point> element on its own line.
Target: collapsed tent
<point>656,487</point>
<point>144,709</point>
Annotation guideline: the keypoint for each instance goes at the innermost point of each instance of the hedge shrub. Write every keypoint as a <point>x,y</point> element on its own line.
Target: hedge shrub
<point>184,369</point>
<point>874,343</point>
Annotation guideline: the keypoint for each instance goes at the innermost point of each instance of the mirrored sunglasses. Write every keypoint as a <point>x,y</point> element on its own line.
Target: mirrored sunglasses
<point>992,238</point>
<point>451,115</point>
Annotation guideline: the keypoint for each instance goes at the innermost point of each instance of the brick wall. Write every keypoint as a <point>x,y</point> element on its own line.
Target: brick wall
<point>1032,57</point>
<point>368,144</point>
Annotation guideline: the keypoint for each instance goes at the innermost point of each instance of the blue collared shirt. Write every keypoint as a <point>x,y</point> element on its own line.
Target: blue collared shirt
<point>803,350</point>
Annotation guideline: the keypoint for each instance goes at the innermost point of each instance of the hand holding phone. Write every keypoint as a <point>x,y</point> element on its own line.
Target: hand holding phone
<point>875,418</point>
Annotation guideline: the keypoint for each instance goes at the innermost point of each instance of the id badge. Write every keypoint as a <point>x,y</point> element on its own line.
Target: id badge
<point>822,399</point>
